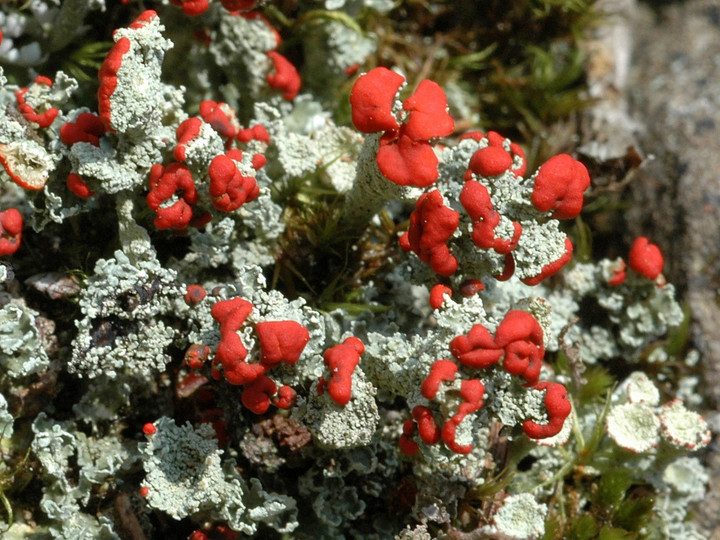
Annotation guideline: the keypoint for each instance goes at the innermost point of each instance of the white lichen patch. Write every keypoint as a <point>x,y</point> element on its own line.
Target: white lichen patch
<point>348,426</point>
<point>633,426</point>
<point>640,389</point>
<point>686,477</point>
<point>521,516</point>
<point>682,427</point>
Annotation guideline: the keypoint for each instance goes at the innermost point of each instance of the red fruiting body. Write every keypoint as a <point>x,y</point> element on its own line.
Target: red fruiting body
<point>108,78</point>
<point>405,157</point>
<point>231,352</point>
<point>194,295</point>
<point>255,133</point>
<point>78,187</point>
<point>476,200</point>
<point>521,336</point>
<point>553,267</point>
<point>166,182</point>
<point>490,161</point>
<point>407,445</point>
<point>286,397</point>
<point>493,159</point>
<point>472,391</point>
<point>196,356</point>
<point>437,295</point>
<point>431,226</point>
<point>281,341</point>
<point>470,287</point>
<point>441,370</point>
<point>477,350</point>
<point>221,117</point>
<point>149,429</point>
<point>256,395</point>
<point>258,161</point>
<point>238,5</point>
<point>87,128</point>
<point>43,119</point>
<point>192,8</point>
<point>228,187</point>
<point>646,258</point>
<point>558,409</point>
<point>619,274</point>
<point>144,491</point>
<point>11,224</point>
<point>142,19</point>
<point>198,535</point>
<point>509,269</point>
<point>406,162</point>
<point>10,157</point>
<point>342,360</point>
<point>372,99</point>
<point>559,186</point>
<point>427,428</point>
<point>286,78</point>
<point>186,132</point>
<point>428,116</point>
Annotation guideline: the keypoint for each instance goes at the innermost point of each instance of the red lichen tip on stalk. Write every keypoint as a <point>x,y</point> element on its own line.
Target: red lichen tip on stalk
<point>229,189</point>
<point>149,429</point>
<point>440,371</point>
<point>437,295</point>
<point>431,226</point>
<point>428,113</point>
<point>281,341</point>
<point>78,186</point>
<point>255,133</point>
<point>470,287</point>
<point>475,198</point>
<point>341,360</point>
<point>558,408</point>
<point>427,428</point>
<point>553,267</point>
<point>238,5</point>
<point>477,350</point>
<point>196,356</point>
<point>166,183</point>
<point>192,8</point>
<point>44,119</point>
<point>107,76</point>
<point>493,159</point>
<point>231,352</point>
<point>286,397</point>
<point>194,294</point>
<point>406,444</point>
<point>645,258</point>
<point>407,162</point>
<point>87,127</point>
<point>221,117</point>
<point>256,395</point>
<point>472,391</point>
<point>559,186</point>
<point>185,133</point>
<point>285,78</point>
<point>11,225</point>
<point>371,100</point>
<point>521,337</point>
<point>619,274</point>
<point>144,491</point>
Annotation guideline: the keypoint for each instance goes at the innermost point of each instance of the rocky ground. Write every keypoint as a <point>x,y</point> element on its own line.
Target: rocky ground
<point>655,71</point>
